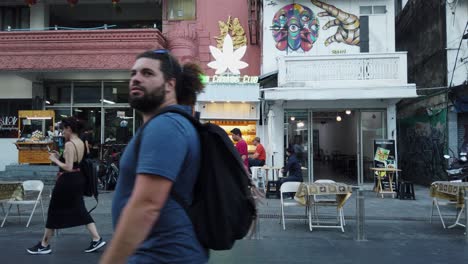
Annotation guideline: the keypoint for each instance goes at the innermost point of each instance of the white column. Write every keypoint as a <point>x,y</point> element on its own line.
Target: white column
<point>278,139</point>
<point>391,121</point>
<point>39,17</point>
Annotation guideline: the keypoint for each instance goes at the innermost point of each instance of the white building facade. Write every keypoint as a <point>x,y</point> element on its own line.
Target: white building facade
<point>338,82</point>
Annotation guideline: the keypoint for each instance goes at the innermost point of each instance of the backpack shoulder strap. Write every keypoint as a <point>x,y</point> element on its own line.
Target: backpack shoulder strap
<point>168,109</point>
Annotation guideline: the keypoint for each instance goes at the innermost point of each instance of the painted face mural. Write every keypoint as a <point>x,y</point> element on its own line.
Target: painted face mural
<point>295,26</point>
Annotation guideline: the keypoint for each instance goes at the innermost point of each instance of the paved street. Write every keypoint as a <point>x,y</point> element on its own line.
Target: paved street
<point>397,231</point>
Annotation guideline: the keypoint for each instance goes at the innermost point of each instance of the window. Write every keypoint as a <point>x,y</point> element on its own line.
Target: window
<point>369,10</point>
<point>14,17</point>
<point>181,10</point>
<point>57,92</point>
<point>87,92</point>
<point>380,10</point>
<point>116,92</point>
<point>365,10</point>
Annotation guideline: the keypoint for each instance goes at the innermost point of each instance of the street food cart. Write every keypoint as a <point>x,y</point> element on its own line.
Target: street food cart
<point>34,143</point>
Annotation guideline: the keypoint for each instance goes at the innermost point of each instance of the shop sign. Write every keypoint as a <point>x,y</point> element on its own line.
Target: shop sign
<point>8,127</point>
<point>234,79</point>
<point>8,122</point>
<point>121,114</point>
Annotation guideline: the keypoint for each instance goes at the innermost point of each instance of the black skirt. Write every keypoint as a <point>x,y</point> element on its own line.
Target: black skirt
<point>67,207</point>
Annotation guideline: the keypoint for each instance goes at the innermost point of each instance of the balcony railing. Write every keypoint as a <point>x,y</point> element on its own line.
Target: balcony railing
<point>339,71</point>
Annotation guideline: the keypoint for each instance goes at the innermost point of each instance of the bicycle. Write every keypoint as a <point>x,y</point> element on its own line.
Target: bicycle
<point>109,172</point>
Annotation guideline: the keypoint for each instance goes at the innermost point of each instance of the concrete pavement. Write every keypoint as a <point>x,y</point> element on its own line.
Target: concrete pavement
<point>397,231</point>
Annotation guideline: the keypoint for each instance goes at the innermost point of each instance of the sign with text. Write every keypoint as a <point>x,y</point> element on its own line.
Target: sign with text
<point>384,153</point>
<point>8,126</point>
<point>232,79</point>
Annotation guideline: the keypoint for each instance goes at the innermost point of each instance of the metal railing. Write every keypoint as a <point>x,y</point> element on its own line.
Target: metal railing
<point>105,26</point>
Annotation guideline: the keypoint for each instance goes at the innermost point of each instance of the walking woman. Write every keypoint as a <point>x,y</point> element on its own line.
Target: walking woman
<point>67,207</point>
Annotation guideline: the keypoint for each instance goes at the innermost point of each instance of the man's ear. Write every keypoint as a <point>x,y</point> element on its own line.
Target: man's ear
<point>170,85</point>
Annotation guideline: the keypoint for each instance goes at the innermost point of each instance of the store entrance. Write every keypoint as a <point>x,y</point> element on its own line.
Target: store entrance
<point>335,146</point>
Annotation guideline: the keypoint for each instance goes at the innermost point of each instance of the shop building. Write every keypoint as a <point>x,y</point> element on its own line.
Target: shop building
<point>332,79</point>
<point>437,122</point>
<point>74,57</point>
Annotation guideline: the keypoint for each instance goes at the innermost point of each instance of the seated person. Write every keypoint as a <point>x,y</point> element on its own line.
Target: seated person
<point>292,171</point>
<point>259,157</point>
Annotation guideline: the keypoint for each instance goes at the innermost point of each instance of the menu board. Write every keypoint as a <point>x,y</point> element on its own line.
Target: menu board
<point>384,153</point>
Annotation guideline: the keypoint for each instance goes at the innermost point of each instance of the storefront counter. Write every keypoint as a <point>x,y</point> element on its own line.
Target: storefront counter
<point>34,152</point>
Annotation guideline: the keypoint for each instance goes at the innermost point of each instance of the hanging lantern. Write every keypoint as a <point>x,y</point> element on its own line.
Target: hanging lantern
<point>72,2</point>
<point>30,2</point>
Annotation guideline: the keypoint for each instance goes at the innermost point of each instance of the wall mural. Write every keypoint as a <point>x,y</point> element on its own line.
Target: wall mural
<point>296,27</point>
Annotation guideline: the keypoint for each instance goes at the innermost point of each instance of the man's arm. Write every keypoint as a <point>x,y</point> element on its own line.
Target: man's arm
<point>138,217</point>
<point>255,155</point>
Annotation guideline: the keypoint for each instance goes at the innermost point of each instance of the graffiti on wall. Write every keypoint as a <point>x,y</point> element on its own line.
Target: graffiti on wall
<point>422,146</point>
<point>296,27</point>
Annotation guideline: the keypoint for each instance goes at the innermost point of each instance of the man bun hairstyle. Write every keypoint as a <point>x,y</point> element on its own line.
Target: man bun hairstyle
<point>188,82</point>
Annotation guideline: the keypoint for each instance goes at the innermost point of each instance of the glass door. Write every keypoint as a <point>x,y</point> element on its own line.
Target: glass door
<point>296,133</point>
<point>373,125</point>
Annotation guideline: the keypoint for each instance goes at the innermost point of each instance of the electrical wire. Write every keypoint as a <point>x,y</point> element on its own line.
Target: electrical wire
<point>456,57</point>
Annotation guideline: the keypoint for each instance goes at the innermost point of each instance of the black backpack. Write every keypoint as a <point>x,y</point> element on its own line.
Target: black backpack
<point>89,168</point>
<point>223,208</point>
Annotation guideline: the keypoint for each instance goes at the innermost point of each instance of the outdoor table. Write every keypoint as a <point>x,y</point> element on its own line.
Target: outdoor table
<point>272,182</point>
<point>275,173</point>
<point>390,172</point>
<point>342,192</point>
<point>453,191</point>
<point>11,190</point>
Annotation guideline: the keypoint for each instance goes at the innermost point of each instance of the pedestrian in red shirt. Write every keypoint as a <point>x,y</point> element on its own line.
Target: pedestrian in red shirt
<point>241,146</point>
<point>259,157</point>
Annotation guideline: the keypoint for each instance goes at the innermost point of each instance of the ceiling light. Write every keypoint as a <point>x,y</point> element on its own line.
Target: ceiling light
<point>38,117</point>
<point>338,118</point>
<point>47,102</point>
<point>107,101</point>
<point>348,112</point>
<point>293,118</point>
<point>300,124</point>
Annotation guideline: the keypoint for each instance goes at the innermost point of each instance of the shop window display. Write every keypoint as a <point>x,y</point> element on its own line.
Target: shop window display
<point>247,128</point>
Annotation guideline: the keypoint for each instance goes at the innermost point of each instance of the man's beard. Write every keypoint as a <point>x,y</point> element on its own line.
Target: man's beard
<point>149,101</point>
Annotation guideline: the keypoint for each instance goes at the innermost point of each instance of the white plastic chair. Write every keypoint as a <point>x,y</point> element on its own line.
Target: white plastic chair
<point>288,187</point>
<point>326,200</point>
<point>32,185</point>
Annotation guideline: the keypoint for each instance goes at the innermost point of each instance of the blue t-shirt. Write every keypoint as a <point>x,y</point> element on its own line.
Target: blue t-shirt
<point>169,148</point>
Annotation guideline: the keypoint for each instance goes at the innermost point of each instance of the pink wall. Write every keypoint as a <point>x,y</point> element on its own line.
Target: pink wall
<point>190,40</point>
